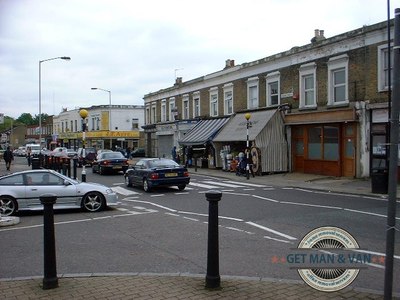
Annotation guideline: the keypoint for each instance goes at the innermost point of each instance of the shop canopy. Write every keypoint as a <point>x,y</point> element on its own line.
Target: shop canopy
<point>203,132</point>
<point>236,130</point>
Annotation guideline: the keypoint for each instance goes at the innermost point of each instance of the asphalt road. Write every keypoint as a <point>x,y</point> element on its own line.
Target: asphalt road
<point>166,231</point>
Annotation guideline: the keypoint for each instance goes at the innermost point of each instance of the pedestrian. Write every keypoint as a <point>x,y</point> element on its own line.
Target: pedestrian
<point>8,158</point>
<point>28,155</point>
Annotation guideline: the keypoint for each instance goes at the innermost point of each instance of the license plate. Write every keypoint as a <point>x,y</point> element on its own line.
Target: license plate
<point>171,174</point>
<point>117,167</point>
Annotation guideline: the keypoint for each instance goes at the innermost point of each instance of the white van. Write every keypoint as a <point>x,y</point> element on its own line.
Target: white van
<point>35,149</point>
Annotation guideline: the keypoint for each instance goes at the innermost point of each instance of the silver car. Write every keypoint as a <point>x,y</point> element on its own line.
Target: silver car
<point>22,190</point>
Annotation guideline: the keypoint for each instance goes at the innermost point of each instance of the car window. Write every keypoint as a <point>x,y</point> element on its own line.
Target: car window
<point>163,163</point>
<point>46,179</point>
<point>112,155</point>
<point>12,180</point>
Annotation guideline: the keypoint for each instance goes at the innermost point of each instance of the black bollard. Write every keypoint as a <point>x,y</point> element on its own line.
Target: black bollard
<point>69,167</point>
<point>213,279</point>
<point>50,280</point>
<point>75,159</point>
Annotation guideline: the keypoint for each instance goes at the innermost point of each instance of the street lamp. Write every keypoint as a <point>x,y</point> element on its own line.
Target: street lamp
<point>248,124</point>
<point>83,113</point>
<point>40,93</point>
<point>109,112</point>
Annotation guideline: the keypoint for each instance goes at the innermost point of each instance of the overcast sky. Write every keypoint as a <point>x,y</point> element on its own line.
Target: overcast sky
<point>135,47</point>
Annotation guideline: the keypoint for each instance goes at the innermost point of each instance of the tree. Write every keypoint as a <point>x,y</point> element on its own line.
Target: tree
<point>25,118</point>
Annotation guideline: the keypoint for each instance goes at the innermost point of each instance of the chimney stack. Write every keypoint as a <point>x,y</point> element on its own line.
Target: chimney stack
<point>229,63</point>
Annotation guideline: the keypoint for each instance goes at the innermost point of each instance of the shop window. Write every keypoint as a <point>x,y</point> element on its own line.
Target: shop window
<point>314,143</point>
<point>323,142</point>
<point>331,143</point>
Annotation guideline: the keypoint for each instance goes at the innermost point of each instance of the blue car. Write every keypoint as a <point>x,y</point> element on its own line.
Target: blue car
<point>154,172</point>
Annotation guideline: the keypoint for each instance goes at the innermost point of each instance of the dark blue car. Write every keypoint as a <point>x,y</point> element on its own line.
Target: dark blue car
<point>154,172</point>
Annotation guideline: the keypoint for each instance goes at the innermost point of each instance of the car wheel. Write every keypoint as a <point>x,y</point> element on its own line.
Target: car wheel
<point>101,171</point>
<point>93,202</point>
<point>127,182</point>
<point>8,206</point>
<point>181,187</point>
<point>146,186</point>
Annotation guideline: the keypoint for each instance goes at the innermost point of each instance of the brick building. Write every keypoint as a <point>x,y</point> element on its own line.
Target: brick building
<point>323,108</point>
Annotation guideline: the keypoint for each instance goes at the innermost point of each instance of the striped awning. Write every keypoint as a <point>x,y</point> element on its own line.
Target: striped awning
<point>203,132</point>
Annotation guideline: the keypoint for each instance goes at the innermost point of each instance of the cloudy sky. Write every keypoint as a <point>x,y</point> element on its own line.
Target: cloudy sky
<point>135,47</point>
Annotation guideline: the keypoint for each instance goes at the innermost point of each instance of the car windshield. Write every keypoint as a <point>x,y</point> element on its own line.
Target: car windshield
<point>162,163</point>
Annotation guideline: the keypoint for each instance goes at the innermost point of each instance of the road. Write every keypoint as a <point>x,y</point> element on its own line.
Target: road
<point>166,231</point>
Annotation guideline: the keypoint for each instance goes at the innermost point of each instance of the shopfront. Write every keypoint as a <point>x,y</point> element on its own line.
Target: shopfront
<point>325,148</point>
<point>269,149</point>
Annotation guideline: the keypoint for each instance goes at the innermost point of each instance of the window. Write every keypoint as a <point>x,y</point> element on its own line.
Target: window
<point>72,125</point>
<point>214,102</point>
<point>273,89</point>
<point>76,125</point>
<point>308,97</point>
<point>196,107</point>
<point>148,120</point>
<point>171,109</point>
<point>185,107</point>
<point>252,93</point>
<point>153,114</point>
<point>135,123</point>
<point>163,110</point>
<point>383,67</point>
<point>337,80</point>
<point>323,142</point>
<point>228,99</point>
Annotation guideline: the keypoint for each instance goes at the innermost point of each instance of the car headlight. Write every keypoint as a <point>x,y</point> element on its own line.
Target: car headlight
<point>109,191</point>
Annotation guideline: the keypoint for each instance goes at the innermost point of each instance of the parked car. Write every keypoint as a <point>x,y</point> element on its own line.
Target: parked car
<point>21,151</point>
<point>90,156</point>
<point>71,153</point>
<point>153,172</point>
<point>111,162</point>
<point>59,152</point>
<point>138,152</point>
<point>21,191</point>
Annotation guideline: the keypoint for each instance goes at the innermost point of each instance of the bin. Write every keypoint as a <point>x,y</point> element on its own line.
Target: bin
<point>35,163</point>
<point>379,181</point>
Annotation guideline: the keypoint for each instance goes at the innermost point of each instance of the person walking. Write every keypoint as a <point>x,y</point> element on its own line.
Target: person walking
<point>8,158</point>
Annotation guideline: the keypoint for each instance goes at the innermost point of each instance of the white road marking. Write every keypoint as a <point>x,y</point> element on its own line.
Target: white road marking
<point>272,231</point>
<point>245,183</point>
<point>206,186</point>
<point>124,191</point>
<point>264,198</point>
<point>278,240</point>
<point>223,184</point>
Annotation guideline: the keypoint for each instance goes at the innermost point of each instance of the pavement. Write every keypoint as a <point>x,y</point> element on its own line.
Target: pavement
<point>192,286</point>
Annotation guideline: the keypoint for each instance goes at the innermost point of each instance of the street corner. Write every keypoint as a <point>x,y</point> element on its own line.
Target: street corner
<point>8,221</point>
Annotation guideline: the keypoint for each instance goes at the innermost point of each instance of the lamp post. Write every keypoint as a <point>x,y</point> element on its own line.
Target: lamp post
<point>40,93</point>
<point>109,112</point>
<point>248,125</point>
<point>83,113</point>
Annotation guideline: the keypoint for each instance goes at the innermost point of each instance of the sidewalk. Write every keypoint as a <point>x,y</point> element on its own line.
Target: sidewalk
<point>168,286</point>
<point>192,286</point>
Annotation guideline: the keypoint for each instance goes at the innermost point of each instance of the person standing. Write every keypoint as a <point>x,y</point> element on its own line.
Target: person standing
<point>8,158</point>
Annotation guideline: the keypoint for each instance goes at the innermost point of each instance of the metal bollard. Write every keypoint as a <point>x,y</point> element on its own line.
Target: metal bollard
<point>213,279</point>
<point>50,280</point>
